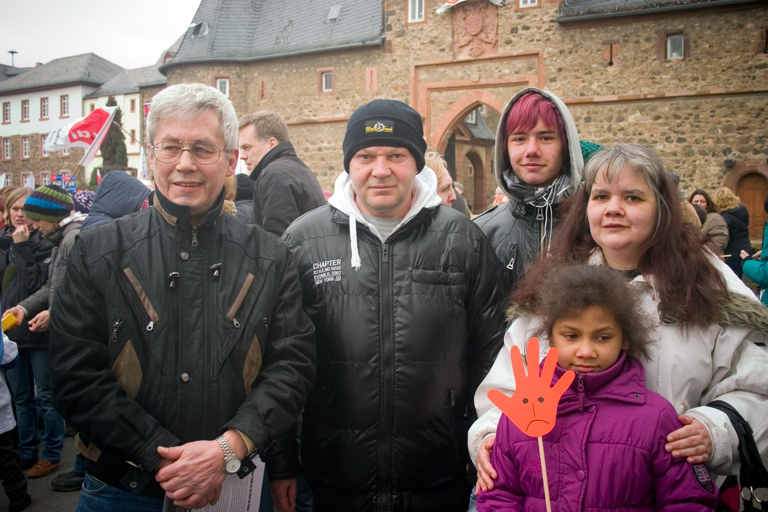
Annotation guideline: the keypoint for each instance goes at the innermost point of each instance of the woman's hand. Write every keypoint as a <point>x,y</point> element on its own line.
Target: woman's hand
<point>744,254</point>
<point>20,234</point>
<point>692,441</point>
<point>485,472</point>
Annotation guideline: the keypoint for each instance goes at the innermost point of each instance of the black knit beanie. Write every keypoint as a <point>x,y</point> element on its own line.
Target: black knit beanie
<point>385,123</point>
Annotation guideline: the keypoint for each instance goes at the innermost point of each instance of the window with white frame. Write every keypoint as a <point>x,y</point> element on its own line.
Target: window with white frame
<point>45,178</point>
<point>7,112</point>
<point>43,108</point>
<point>65,152</point>
<point>675,46</point>
<point>64,105</point>
<point>415,11</point>
<point>471,118</point>
<point>25,147</point>
<point>529,3</point>
<point>24,177</point>
<point>222,84</point>
<point>25,110</point>
<point>483,111</point>
<point>327,81</point>
<point>43,151</point>
<point>6,149</point>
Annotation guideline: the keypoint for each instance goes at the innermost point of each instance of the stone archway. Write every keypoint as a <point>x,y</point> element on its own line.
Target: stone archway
<point>458,111</point>
<point>749,181</point>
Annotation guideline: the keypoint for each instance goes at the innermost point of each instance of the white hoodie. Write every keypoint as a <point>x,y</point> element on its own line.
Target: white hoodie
<point>424,192</point>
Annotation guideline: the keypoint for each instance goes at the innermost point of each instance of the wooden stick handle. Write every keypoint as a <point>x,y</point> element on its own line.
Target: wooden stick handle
<point>544,473</point>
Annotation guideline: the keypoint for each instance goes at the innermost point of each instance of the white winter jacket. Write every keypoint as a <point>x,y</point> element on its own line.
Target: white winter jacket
<point>689,368</point>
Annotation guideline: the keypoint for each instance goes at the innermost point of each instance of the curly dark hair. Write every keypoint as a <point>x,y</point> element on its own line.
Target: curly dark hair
<point>711,206</point>
<point>570,289</point>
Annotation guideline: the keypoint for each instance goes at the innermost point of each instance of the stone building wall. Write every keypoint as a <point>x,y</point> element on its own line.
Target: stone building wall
<point>704,113</point>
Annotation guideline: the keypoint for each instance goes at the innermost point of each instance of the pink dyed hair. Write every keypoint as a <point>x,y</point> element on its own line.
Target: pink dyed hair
<point>527,111</point>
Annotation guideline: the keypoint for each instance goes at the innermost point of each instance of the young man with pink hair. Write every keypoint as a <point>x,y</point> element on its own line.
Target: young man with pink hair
<point>538,164</point>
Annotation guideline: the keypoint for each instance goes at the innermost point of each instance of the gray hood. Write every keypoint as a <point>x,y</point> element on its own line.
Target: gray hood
<point>574,149</point>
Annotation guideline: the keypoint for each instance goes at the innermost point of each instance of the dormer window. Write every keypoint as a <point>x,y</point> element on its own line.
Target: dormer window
<point>333,13</point>
<point>200,29</point>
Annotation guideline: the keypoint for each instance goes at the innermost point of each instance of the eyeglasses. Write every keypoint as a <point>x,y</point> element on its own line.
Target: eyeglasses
<point>201,152</point>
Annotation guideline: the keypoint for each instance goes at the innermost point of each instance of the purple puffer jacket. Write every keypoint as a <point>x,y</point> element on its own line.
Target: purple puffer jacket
<point>606,453</point>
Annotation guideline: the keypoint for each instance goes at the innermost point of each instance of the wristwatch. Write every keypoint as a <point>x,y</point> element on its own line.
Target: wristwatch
<point>231,463</point>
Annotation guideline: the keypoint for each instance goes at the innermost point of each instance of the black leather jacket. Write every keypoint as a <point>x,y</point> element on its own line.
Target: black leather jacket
<point>164,333</point>
<point>403,343</point>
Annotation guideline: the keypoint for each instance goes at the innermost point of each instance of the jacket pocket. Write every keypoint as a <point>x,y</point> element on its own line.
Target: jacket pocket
<point>438,277</point>
<point>153,317</point>
<point>239,299</point>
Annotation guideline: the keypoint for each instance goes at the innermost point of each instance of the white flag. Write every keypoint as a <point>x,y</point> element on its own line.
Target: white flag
<point>30,183</point>
<point>87,133</point>
<point>143,174</point>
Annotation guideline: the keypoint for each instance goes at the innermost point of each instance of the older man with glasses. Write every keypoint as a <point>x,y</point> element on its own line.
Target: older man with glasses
<point>181,347</point>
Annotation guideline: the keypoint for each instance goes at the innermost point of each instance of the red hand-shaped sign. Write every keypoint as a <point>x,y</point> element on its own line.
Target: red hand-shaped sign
<point>533,406</point>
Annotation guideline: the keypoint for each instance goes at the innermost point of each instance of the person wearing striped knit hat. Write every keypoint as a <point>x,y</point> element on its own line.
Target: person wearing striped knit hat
<point>48,208</point>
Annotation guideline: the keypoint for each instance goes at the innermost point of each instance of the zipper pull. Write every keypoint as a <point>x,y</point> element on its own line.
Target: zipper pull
<point>581,392</point>
<point>173,279</point>
<point>237,324</point>
<point>385,255</point>
<point>194,236</point>
<point>453,398</point>
<point>512,258</point>
<point>266,325</point>
<point>150,325</point>
<point>216,270</point>
<point>539,213</point>
<point>115,327</point>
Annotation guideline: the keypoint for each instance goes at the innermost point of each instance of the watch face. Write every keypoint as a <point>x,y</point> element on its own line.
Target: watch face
<point>233,465</point>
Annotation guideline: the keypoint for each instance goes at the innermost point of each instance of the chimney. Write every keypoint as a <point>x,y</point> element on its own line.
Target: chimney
<point>38,64</point>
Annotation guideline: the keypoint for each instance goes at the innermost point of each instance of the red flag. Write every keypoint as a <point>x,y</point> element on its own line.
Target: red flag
<point>86,133</point>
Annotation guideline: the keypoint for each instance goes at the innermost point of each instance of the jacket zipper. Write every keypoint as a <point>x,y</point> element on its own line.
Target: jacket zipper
<point>153,318</point>
<point>387,356</point>
<point>512,257</point>
<point>239,300</point>
<point>581,392</point>
<point>115,327</point>
<point>194,236</point>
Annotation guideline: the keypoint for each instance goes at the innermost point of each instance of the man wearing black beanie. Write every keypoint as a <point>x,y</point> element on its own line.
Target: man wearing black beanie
<point>405,297</point>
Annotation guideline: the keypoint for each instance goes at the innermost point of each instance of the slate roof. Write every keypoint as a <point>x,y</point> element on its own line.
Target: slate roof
<point>88,68</point>
<point>7,72</point>
<point>575,10</point>
<point>250,30</point>
<point>129,81</point>
<point>479,129</point>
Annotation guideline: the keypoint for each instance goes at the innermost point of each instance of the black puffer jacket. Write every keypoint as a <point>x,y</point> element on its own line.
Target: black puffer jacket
<point>25,276</point>
<point>403,343</point>
<point>285,189</point>
<point>164,334</point>
<point>737,220</point>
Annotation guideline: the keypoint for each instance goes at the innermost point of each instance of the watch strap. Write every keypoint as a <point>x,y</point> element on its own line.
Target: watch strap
<point>226,448</point>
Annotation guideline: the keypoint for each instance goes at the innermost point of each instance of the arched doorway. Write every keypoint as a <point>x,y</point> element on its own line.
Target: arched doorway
<point>752,188</point>
<point>749,181</point>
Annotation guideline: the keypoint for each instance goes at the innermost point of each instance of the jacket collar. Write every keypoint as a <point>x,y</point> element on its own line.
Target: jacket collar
<point>178,216</point>
<point>624,381</point>
<point>283,149</point>
<point>74,221</point>
<point>425,196</point>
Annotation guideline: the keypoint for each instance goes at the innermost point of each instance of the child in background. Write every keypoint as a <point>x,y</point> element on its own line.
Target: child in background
<point>606,450</point>
<point>14,481</point>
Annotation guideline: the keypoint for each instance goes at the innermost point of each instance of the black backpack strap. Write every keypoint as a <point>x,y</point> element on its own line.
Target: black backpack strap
<point>752,474</point>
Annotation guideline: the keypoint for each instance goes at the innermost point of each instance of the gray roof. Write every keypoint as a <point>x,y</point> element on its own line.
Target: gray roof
<point>88,68</point>
<point>129,81</point>
<point>585,10</point>
<point>249,30</point>
<point>479,129</point>
<point>7,72</point>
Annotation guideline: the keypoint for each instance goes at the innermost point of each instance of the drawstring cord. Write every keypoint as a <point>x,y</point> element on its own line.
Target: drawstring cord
<point>549,200</point>
<point>356,262</point>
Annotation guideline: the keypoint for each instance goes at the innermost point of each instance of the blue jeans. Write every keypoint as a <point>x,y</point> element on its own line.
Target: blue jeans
<point>32,369</point>
<point>472,501</point>
<point>96,496</point>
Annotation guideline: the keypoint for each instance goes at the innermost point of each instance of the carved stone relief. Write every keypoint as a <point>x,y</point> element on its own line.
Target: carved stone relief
<point>475,29</point>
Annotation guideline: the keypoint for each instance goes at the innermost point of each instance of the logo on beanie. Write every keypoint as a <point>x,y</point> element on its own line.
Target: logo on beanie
<point>379,126</point>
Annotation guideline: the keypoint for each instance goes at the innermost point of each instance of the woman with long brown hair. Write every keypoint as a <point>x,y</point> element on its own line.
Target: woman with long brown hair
<point>706,321</point>
<point>714,228</point>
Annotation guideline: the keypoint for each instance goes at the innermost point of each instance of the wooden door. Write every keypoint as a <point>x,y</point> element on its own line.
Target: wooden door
<point>752,189</point>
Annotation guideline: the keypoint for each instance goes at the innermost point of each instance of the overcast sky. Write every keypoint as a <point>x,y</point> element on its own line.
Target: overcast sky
<point>132,33</point>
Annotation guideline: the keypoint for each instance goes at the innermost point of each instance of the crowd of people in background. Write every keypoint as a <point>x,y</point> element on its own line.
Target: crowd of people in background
<point>350,338</point>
